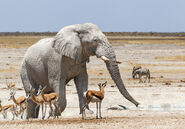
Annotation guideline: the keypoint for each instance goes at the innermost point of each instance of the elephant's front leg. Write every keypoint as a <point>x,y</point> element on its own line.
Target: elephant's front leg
<point>56,80</point>
<point>81,82</point>
<point>61,90</point>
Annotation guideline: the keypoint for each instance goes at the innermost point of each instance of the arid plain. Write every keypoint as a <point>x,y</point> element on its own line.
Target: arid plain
<point>162,100</point>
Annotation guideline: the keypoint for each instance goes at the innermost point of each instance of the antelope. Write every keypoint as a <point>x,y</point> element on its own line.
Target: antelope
<point>21,110</point>
<point>94,96</point>
<point>49,99</point>
<point>134,69</point>
<point>141,72</point>
<point>11,85</point>
<point>38,100</point>
<point>8,108</point>
<point>20,101</point>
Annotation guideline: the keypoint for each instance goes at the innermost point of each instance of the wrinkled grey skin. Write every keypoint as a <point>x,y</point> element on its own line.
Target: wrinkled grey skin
<point>53,62</point>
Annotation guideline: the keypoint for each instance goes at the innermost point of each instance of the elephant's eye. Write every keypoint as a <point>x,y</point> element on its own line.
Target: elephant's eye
<point>95,40</point>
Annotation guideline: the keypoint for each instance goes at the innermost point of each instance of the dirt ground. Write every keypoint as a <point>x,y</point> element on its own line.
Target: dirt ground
<point>162,101</point>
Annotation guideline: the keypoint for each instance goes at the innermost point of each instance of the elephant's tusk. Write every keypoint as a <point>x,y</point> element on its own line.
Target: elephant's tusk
<point>119,62</point>
<point>104,58</point>
<point>107,59</point>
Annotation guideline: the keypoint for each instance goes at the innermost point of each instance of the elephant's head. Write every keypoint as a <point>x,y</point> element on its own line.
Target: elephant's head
<point>83,40</point>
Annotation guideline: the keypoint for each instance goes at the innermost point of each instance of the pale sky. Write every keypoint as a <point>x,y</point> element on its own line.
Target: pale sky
<point>109,15</point>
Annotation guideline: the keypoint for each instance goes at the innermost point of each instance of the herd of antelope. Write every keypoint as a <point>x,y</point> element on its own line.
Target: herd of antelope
<point>41,99</point>
<point>20,103</point>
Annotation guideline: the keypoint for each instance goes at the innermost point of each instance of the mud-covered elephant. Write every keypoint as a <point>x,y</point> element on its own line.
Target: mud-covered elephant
<point>54,61</point>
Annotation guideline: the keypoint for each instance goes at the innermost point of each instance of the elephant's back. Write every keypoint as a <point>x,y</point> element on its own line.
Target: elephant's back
<point>34,60</point>
<point>36,54</point>
<point>41,45</point>
<point>39,49</point>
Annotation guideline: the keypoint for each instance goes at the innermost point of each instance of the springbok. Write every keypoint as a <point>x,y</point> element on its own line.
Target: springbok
<point>8,108</point>
<point>38,100</point>
<point>21,110</point>
<point>20,101</point>
<point>50,99</point>
<point>10,85</point>
<point>94,96</point>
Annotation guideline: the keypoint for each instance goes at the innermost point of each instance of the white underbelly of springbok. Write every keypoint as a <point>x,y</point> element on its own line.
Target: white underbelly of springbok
<point>95,99</point>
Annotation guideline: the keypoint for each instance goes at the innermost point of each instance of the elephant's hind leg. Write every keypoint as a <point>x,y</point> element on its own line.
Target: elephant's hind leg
<point>27,83</point>
<point>57,110</point>
<point>32,110</point>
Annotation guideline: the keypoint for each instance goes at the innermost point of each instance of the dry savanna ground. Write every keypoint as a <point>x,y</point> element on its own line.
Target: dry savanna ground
<point>162,100</point>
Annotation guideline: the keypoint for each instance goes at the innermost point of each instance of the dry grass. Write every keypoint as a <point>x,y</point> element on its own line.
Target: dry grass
<point>18,41</point>
<point>180,42</point>
<point>171,58</point>
<point>146,40</point>
<point>175,71</point>
<point>26,41</point>
<point>10,70</point>
<point>156,64</point>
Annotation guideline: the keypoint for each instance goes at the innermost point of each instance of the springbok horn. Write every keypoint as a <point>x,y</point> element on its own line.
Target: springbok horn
<point>104,58</point>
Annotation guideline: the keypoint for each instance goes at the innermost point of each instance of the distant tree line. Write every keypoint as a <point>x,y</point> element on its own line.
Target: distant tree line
<point>27,33</point>
<point>177,34</point>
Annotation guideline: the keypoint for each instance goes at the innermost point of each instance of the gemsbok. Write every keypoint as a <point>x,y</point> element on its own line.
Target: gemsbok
<point>142,72</point>
<point>50,99</point>
<point>94,96</point>
<point>8,108</point>
<point>136,76</point>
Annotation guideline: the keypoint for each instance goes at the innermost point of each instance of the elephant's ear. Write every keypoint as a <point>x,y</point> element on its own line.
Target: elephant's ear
<point>68,44</point>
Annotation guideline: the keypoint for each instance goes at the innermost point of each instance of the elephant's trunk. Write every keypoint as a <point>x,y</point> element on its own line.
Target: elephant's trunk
<point>113,69</point>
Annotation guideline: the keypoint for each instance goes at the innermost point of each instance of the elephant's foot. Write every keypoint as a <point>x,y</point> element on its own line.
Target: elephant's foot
<point>32,110</point>
<point>56,113</point>
<point>31,115</point>
<point>62,106</point>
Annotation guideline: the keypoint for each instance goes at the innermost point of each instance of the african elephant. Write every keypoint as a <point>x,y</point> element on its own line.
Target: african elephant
<point>54,61</point>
